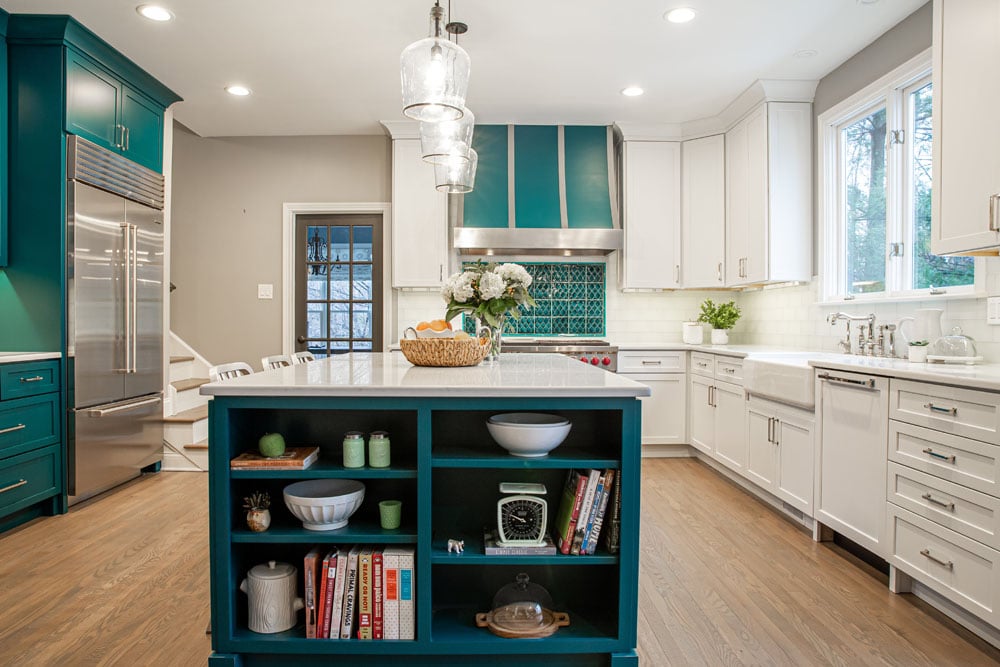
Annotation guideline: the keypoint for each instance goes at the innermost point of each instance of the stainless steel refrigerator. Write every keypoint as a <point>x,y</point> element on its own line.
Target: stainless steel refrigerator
<point>114,318</point>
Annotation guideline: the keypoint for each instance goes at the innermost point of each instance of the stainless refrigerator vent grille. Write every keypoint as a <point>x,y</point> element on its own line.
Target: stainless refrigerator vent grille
<point>91,164</point>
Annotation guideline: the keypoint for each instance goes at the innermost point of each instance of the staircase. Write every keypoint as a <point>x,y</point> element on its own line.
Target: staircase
<point>185,426</point>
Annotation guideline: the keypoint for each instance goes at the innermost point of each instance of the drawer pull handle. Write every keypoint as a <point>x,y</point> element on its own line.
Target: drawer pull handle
<point>729,370</point>
<point>647,362</point>
<point>944,563</point>
<point>867,384</point>
<point>20,482</point>
<point>931,452</point>
<point>37,378</point>
<point>940,503</point>
<point>11,429</point>
<point>702,365</point>
<point>937,408</point>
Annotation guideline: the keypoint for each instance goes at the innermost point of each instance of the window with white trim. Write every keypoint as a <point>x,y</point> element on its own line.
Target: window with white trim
<point>875,182</point>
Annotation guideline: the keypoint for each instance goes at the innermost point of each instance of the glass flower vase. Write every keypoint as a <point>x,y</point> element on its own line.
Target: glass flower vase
<point>494,334</point>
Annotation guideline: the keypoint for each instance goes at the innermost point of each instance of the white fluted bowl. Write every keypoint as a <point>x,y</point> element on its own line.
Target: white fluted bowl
<point>324,504</point>
<point>528,434</point>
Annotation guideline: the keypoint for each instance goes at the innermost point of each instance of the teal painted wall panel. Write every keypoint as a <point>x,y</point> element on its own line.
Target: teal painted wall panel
<point>536,176</point>
<point>486,205</point>
<point>588,202</point>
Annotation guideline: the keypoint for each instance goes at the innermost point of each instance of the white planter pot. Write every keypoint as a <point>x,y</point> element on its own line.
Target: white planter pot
<point>693,333</point>
<point>917,353</point>
<point>720,336</point>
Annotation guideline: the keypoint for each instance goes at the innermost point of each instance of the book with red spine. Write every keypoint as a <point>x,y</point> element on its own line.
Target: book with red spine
<point>595,506</point>
<point>321,596</point>
<point>581,523</point>
<point>331,584</point>
<point>595,531</point>
<point>365,583</point>
<point>378,606</point>
<point>309,567</point>
<point>566,533</point>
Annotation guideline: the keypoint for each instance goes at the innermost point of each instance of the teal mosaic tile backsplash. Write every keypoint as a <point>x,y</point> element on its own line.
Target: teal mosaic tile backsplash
<point>570,298</point>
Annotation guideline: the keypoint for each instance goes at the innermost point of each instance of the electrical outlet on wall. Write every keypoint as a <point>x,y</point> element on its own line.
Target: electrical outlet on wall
<point>993,310</point>
<point>265,291</point>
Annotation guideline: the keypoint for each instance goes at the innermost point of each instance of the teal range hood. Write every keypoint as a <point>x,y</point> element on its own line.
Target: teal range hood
<point>541,190</point>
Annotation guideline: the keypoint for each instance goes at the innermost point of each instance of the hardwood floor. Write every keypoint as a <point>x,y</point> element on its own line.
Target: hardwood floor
<point>724,581</point>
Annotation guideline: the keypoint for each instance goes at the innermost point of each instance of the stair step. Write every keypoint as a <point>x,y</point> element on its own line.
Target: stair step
<point>189,383</point>
<point>198,445</point>
<point>188,416</point>
<point>180,359</point>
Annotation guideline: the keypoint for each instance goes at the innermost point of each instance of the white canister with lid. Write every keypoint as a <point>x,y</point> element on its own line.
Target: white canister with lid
<point>270,590</point>
<point>693,333</point>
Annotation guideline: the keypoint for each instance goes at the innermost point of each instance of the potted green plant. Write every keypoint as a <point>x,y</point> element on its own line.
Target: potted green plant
<point>722,317</point>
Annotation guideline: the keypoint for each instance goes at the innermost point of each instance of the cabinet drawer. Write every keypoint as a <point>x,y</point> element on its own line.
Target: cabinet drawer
<point>28,378</point>
<point>652,362</point>
<point>729,369</point>
<point>966,412</point>
<point>28,423</point>
<point>27,478</point>
<point>963,510</point>
<point>964,461</point>
<point>960,569</point>
<point>703,364</point>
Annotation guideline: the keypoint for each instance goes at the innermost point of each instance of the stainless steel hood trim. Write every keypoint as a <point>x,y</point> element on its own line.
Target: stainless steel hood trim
<point>89,163</point>
<point>551,241</point>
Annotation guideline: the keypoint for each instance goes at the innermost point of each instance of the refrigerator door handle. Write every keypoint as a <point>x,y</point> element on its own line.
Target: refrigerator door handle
<point>127,300</point>
<point>122,407</point>
<point>134,323</point>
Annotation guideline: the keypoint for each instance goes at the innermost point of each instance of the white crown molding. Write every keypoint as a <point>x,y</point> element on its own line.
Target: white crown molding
<point>762,90</point>
<point>401,129</point>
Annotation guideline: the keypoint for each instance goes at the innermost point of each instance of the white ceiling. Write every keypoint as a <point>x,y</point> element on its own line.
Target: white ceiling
<point>332,67</point>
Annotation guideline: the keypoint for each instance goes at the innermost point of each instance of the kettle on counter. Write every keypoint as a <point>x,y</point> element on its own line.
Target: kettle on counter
<point>270,589</point>
<point>926,326</point>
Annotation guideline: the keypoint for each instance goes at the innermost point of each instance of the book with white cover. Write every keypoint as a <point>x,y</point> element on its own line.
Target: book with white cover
<point>340,583</point>
<point>390,609</point>
<point>350,594</point>
<point>407,594</point>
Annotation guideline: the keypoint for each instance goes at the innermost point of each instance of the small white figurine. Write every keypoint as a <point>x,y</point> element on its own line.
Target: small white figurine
<point>458,546</point>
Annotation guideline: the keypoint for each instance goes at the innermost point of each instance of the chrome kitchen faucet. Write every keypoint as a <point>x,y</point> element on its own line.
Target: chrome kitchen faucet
<point>868,344</point>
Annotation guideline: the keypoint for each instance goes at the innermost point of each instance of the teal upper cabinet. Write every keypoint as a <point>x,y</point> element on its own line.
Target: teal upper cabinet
<point>554,177</point>
<point>104,109</point>
<point>109,100</point>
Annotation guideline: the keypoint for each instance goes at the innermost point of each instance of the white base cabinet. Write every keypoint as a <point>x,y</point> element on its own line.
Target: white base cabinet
<point>851,470</point>
<point>780,451</point>
<point>718,409</point>
<point>664,413</point>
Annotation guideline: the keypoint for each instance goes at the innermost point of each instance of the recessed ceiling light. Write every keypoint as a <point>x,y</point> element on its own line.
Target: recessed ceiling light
<point>632,91</point>
<point>154,12</point>
<point>805,53</point>
<point>238,90</point>
<point>680,15</point>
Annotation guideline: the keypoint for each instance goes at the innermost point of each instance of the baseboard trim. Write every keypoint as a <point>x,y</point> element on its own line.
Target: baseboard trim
<point>666,451</point>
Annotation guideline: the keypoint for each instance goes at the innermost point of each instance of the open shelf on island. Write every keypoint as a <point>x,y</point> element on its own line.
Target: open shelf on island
<point>294,641</point>
<point>457,626</point>
<point>326,470</point>
<point>473,555</point>
<point>493,456</point>
<point>353,532</point>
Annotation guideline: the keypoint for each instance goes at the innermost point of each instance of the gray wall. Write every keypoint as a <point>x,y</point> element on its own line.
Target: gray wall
<point>226,227</point>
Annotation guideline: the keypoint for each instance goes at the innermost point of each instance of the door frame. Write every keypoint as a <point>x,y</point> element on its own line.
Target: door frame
<point>288,213</point>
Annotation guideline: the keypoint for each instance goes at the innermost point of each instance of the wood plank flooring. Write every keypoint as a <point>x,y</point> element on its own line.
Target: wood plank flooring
<point>724,581</point>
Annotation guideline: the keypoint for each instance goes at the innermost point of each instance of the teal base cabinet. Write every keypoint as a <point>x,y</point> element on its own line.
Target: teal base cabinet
<point>446,470</point>
<point>31,453</point>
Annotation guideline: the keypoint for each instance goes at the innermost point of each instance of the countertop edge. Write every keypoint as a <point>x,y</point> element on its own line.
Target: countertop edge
<point>14,357</point>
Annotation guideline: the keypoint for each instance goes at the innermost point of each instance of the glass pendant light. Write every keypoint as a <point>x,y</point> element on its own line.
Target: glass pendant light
<point>435,75</point>
<point>448,140</point>
<point>456,176</point>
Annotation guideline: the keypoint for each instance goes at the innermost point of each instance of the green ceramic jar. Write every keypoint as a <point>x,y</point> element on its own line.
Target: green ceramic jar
<point>378,449</point>
<point>354,449</point>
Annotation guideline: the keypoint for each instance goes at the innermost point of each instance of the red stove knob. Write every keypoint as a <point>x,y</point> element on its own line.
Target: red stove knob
<point>594,361</point>
<point>583,359</point>
<point>606,361</point>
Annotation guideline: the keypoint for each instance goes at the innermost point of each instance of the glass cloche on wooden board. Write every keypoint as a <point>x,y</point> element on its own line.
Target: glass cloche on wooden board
<point>522,610</point>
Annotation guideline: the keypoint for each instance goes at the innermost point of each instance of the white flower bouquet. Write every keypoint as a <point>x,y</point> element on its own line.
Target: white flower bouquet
<point>488,292</point>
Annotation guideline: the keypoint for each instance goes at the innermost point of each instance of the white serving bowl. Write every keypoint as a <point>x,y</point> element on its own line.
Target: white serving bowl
<point>528,434</point>
<point>324,504</point>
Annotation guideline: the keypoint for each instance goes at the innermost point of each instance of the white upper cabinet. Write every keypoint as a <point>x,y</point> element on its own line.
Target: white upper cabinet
<point>419,220</point>
<point>651,256</point>
<point>966,189</point>
<point>703,212</point>
<point>769,218</point>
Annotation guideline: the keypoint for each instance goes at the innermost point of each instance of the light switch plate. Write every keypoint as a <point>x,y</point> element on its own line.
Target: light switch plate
<point>993,310</point>
<point>265,291</point>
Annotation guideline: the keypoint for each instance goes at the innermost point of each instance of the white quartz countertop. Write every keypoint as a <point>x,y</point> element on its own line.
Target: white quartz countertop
<point>979,376</point>
<point>11,357</point>
<point>387,374</point>
<point>741,351</point>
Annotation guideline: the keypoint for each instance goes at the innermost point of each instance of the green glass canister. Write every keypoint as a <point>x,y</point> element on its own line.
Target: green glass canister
<point>378,449</point>
<point>354,449</point>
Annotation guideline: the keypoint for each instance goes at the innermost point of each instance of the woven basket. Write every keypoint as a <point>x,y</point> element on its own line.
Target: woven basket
<point>444,351</point>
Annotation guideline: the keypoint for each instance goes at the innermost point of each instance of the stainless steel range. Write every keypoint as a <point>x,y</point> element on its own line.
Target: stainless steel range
<point>595,352</point>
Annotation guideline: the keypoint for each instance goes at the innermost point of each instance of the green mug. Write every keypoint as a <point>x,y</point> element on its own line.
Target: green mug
<point>390,513</point>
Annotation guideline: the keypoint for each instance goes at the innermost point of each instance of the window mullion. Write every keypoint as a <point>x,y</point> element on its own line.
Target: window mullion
<point>896,269</point>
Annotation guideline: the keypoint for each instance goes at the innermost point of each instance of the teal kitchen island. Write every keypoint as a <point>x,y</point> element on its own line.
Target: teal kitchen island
<point>446,470</point>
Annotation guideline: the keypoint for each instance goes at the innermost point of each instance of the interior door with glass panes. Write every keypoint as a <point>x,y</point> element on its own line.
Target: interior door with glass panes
<point>338,301</point>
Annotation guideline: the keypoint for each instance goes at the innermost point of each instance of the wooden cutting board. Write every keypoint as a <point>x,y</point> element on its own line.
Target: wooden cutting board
<point>504,625</point>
